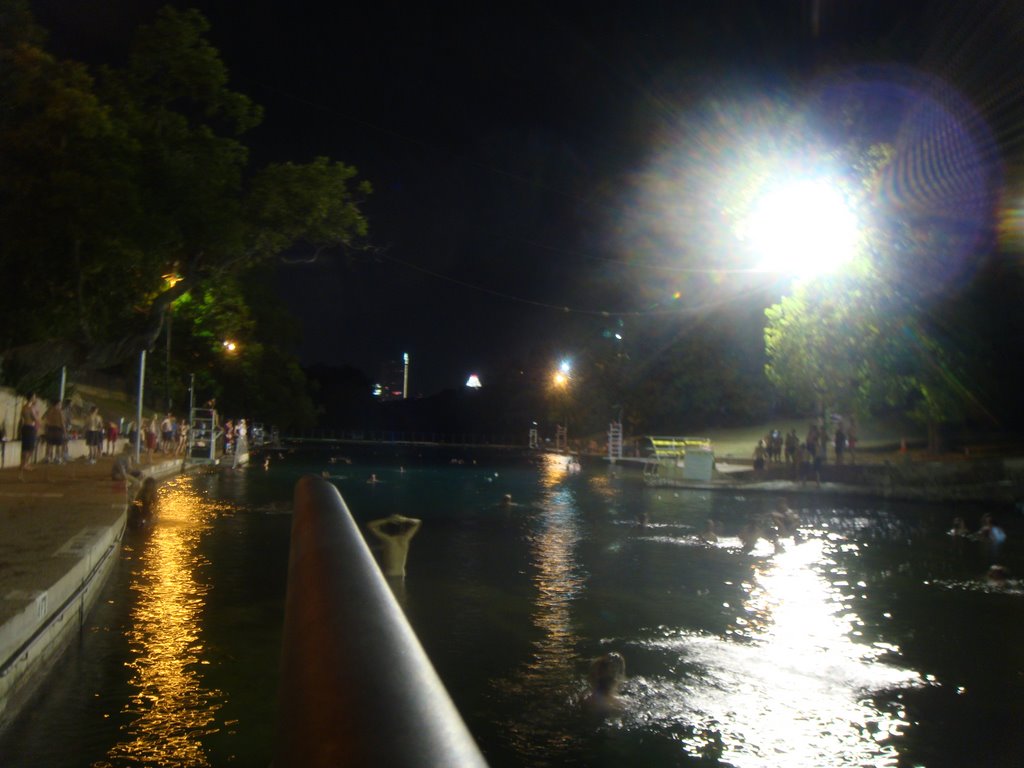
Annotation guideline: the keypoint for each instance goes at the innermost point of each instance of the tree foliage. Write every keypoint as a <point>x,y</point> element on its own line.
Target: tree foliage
<point>112,182</point>
<point>875,338</point>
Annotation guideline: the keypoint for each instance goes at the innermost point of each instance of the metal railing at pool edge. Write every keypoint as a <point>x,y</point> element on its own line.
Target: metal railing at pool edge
<point>356,687</point>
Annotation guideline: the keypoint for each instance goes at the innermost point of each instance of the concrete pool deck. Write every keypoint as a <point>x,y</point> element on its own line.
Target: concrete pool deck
<point>60,530</point>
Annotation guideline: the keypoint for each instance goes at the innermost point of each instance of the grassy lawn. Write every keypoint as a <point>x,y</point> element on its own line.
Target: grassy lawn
<point>112,407</point>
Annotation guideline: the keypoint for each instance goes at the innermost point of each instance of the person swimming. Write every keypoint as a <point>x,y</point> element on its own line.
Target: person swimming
<point>998,575</point>
<point>395,533</point>
<point>756,529</point>
<point>607,672</point>
<point>710,533</point>
<point>992,534</point>
<point>785,520</point>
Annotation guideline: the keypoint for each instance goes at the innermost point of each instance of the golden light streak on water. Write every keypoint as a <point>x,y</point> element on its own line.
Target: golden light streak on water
<point>790,684</point>
<point>170,710</point>
<point>551,677</point>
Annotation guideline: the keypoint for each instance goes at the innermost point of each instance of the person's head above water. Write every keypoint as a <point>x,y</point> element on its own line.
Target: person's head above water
<point>607,673</point>
<point>998,574</point>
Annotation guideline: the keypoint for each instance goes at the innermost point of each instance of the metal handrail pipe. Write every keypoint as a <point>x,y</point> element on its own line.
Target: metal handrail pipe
<point>356,687</point>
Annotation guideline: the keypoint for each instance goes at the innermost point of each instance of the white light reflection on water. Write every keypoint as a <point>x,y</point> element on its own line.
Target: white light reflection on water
<point>170,710</point>
<point>789,685</point>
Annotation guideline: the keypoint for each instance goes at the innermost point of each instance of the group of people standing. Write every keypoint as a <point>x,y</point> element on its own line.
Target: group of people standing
<point>160,434</point>
<point>807,456</point>
<point>52,428</point>
<point>53,425</point>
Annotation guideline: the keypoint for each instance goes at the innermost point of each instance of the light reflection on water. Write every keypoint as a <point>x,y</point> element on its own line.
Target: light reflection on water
<point>549,678</point>
<point>792,680</point>
<point>169,711</point>
<point>789,683</point>
<point>855,646</point>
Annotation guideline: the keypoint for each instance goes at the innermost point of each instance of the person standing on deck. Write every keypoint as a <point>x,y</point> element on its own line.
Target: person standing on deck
<point>112,434</point>
<point>792,441</point>
<point>167,433</point>
<point>840,443</point>
<point>94,434</point>
<point>30,425</point>
<point>53,424</point>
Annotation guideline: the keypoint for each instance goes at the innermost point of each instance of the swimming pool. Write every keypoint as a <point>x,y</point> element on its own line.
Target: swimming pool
<point>870,639</point>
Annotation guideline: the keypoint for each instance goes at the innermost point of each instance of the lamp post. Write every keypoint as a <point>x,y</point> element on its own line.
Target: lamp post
<point>561,380</point>
<point>138,406</point>
<point>167,363</point>
<point>170,280</point>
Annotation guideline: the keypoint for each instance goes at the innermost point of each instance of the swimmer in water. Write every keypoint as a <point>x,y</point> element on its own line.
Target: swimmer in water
<point>607,673</point>
<point>997,575</point>
<point>785,520</point>
<point>373,479</point>
<point>709,534</point>
<point>759,529</point>
<point>394,532</point>
<point>748,535</point>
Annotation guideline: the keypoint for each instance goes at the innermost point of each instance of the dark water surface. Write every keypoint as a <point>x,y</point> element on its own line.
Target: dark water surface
<point>872,640</point>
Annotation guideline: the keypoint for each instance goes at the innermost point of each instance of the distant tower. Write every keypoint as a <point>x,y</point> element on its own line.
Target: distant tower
<point>405,376</point>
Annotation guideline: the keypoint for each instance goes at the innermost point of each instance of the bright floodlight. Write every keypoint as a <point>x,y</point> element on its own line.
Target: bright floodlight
<point>473,382</point>
<point>803,227</point>
<point>565,367</point>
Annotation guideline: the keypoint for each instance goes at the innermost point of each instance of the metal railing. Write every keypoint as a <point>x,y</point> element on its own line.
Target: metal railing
<point>356,686</point>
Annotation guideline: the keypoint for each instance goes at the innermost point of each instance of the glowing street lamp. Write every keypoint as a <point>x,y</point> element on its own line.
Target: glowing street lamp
<point>563,375</point>
<point>230,346</point>
<point>561,380</point>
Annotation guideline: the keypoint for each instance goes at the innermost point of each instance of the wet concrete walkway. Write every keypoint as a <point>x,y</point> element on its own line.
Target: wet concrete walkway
<point>60,529</point>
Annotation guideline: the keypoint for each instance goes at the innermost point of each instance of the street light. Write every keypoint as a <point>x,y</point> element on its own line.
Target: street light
<point>563,375</point>
<point>561,379</point>
<point>170,279</point>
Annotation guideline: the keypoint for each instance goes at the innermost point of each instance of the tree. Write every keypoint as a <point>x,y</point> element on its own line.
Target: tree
<point>858,344</point>
<point>112,184</point>
<point>817,343</point>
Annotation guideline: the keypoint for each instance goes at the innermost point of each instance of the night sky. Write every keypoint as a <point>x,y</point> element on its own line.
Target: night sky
<point>527,159</point>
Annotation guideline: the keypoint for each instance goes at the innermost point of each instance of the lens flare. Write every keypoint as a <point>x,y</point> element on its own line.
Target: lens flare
<point>802,227</point>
